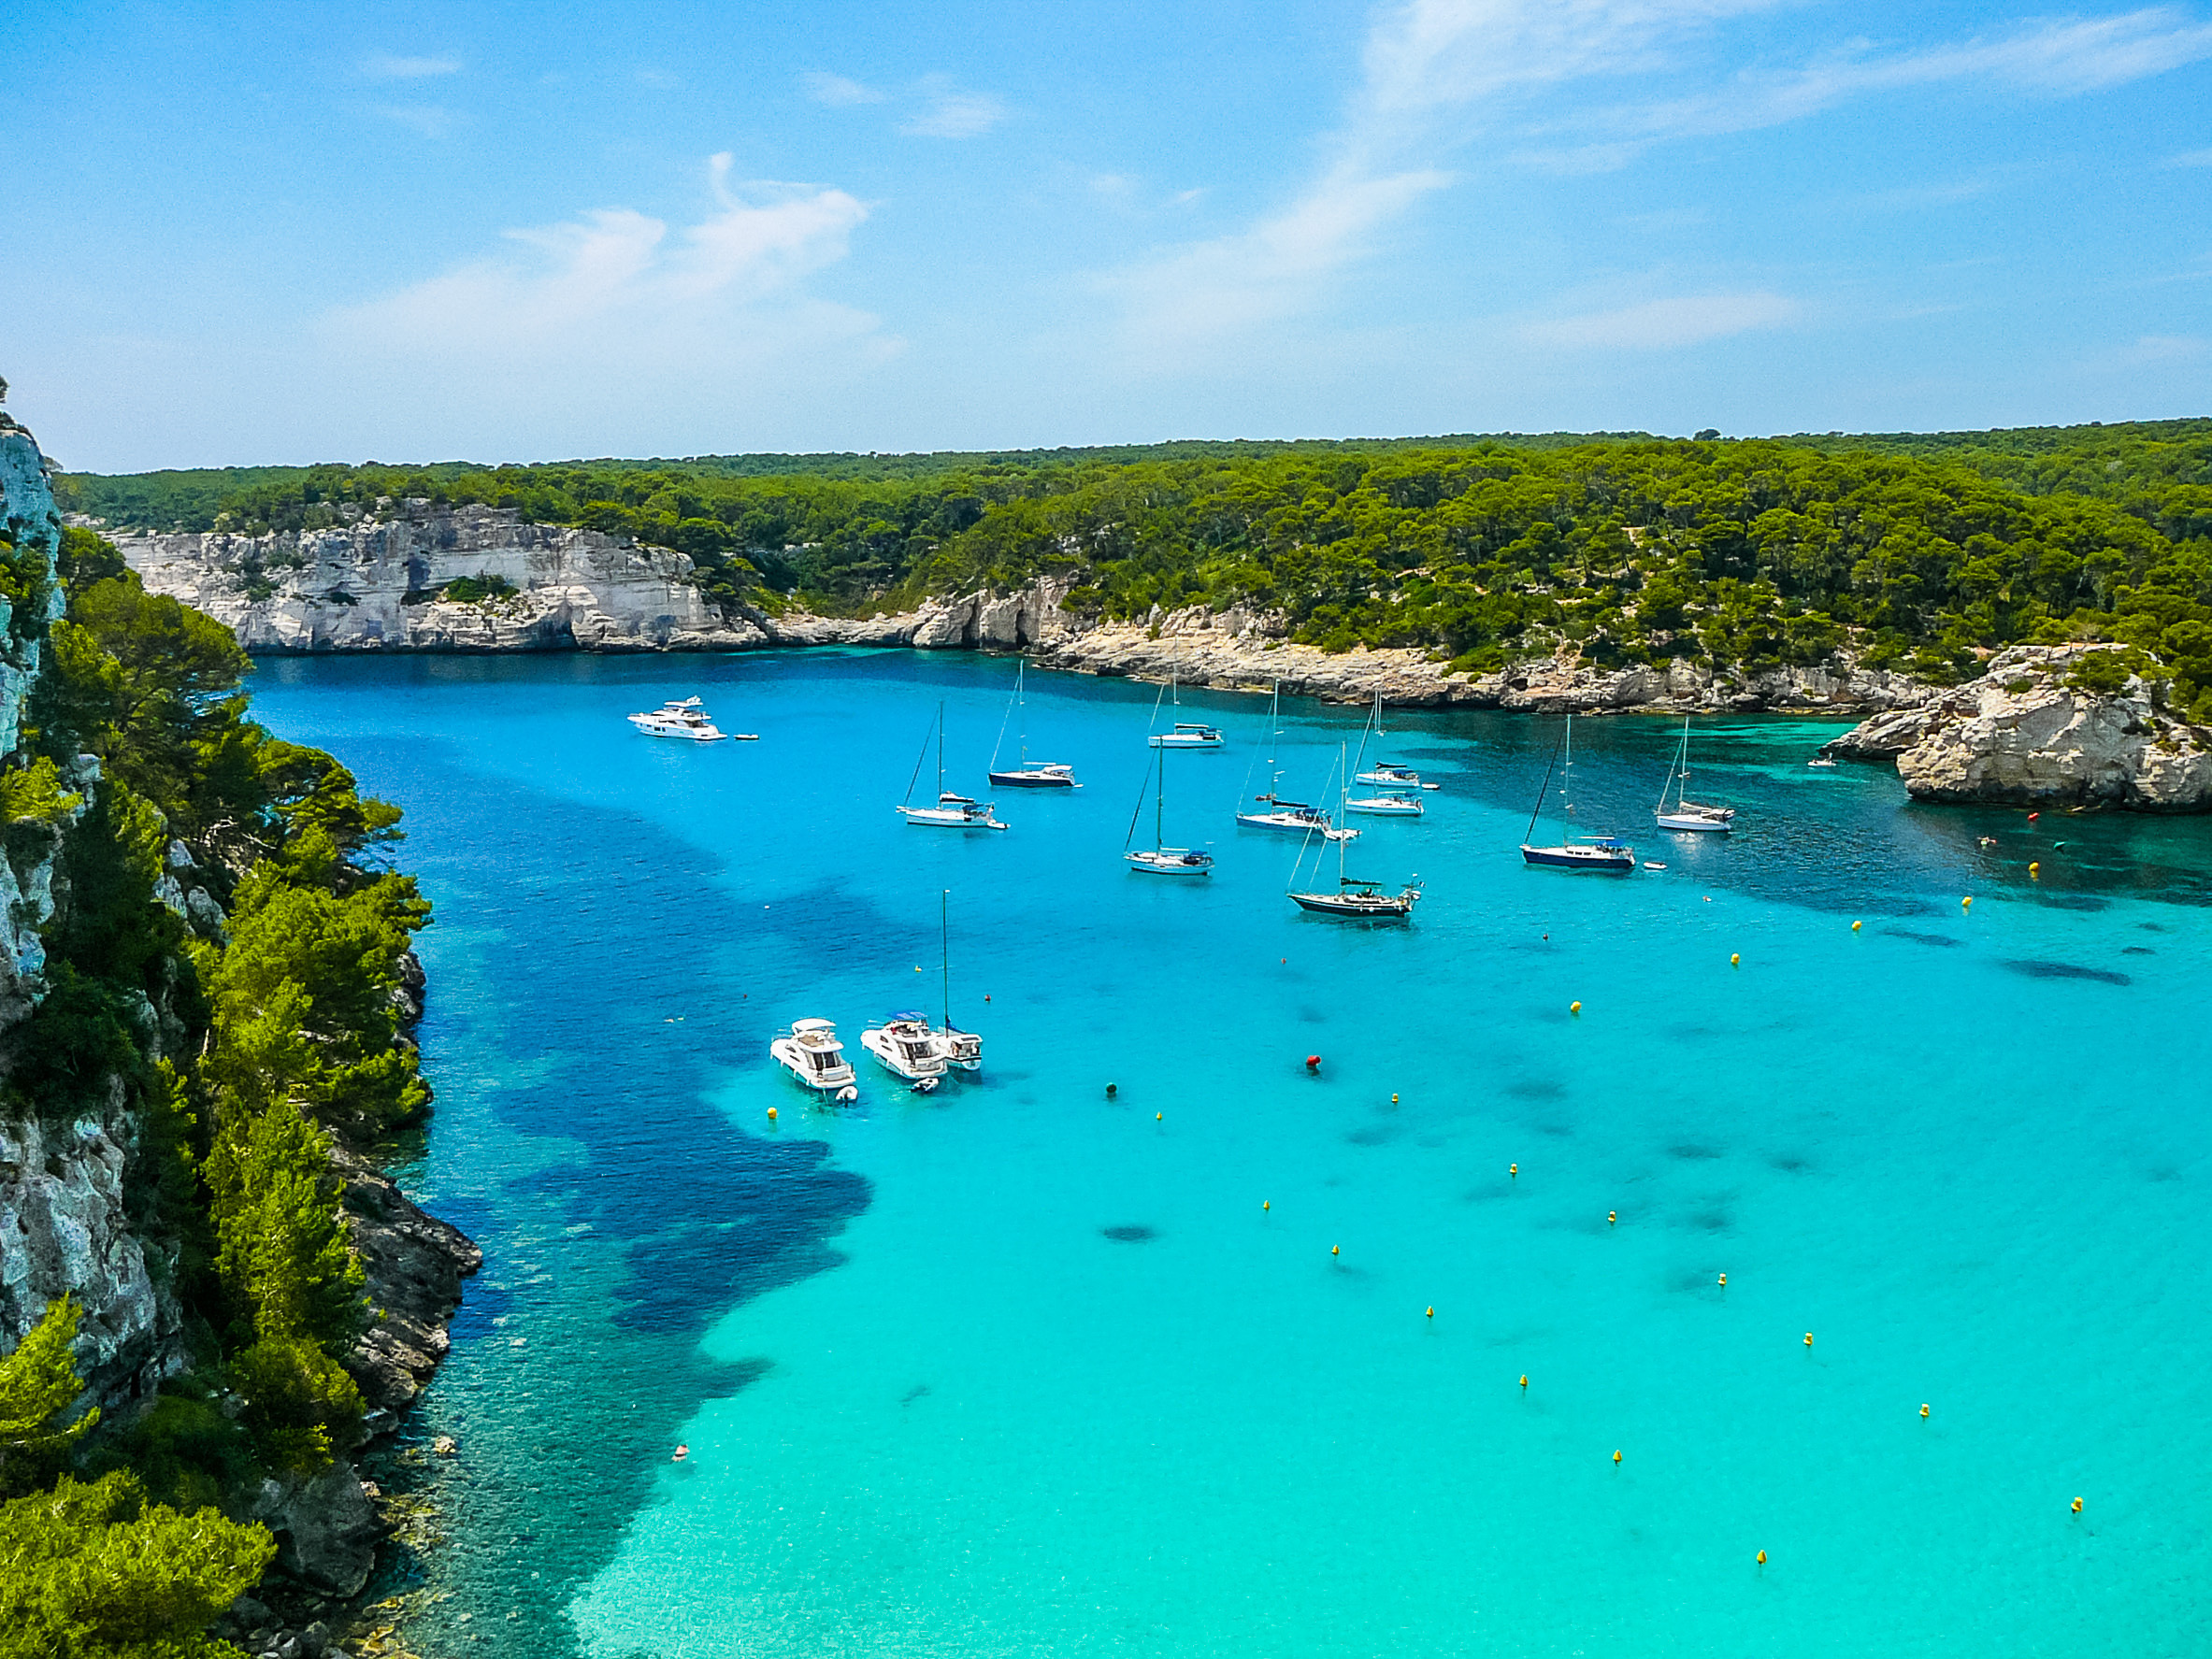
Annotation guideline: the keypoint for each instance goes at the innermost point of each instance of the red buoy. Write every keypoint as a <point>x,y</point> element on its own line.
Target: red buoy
<point>2034,816</point>
<point>1312,1063</point>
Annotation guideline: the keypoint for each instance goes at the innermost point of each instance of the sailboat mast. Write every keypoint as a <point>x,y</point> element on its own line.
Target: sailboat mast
<point>1159,805</point>
<point>944,951</point>
<point>1541,790</point>
<point>1021,669</point>
<point>940,750</point>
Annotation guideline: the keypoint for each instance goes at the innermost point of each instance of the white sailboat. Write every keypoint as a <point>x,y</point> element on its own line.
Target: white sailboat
<point>952,811</point>
<point>1395,800</point>
<point>1298,816</point>
<point>1388,773</point>
<point>1354,898</point>
<point>1686,814</point>
<point>1185,733</point>
<point>1160,859</point>
<point>810,1051</point>
<point>1596,855</point>
<point>1029,774</point>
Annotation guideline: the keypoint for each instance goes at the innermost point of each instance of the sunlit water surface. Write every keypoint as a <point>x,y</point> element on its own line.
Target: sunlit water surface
<point>1024,1369</point>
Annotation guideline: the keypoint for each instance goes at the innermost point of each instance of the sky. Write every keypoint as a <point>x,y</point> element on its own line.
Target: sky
<point>264,234</point>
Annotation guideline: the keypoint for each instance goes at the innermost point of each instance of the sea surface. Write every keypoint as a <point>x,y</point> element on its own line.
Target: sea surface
<point>1230,1360</point>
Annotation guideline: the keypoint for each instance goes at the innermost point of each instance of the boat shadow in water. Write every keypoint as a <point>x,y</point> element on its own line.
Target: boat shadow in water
<point>2035,968</point>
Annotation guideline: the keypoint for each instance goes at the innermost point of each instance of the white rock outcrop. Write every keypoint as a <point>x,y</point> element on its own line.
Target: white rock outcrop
<point>372,585</point>
<point>2023,734</point>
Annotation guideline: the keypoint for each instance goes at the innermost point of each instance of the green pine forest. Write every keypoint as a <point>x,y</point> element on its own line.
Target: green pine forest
<point>1919,552</point>
<point>239,1059</point>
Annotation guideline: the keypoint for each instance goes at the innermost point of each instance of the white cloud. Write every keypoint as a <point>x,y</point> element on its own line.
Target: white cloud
<point>615,305</point>
<point>384,65</point>
<point>1664,324</point>
<point>837,91</point>
<point>953,114</point>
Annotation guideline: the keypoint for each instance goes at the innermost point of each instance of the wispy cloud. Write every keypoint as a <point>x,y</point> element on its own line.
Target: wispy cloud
<point>433,121</point>
<point>1664,324</point>
<point>2193,158</point>
<point>384,65</point>
<point>838,91</point>
<point>955,114</point>
<point>616,290</point>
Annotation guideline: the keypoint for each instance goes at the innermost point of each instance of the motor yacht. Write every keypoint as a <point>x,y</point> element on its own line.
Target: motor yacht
<point>810,1053</point>
<point>676,718</point>
<point>907,1049</point>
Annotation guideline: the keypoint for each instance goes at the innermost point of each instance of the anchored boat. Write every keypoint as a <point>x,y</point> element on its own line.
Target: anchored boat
<point>1598,854</point>
<point>963,1050</point>
<point>1160,859</point>
<point>906,1048</point>
<point>952,811</point>
<point>1388,774</point>
<point>810,1053</point>
<point>1298,816</point>
<point>1686,814</point>
<point>1029,774</point>
<point>676,718</point>
<point>1354,898</point>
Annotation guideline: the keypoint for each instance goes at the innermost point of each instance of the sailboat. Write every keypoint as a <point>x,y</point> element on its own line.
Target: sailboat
<point>1388,773</point>
<point>1160,859</point>
<point>962,1050</point>
<point>1603,855</point>
<point>1686,814</point>
<point>952,811</point>
<point>1354,899</point>
<point>1185,734</point>
<point>1395,801</point>
<point>1298,817</point>
<point>1029,774</point>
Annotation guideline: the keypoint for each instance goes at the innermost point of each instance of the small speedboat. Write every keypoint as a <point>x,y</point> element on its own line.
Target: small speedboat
<point>1388,805</point>
<point>810,1053</point>
<point>1187,734</point>
<point>1169,861</point>
<point>952,811</point>
<point>1361,901</point>
<point>682,717</point>
<point>1295,816</point>
<point>907,1049</point>
<point>1822,760</point>
<point>1035,775</point>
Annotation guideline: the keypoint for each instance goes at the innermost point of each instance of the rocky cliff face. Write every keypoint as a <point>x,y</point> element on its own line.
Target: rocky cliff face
<point>373,584</point>
<point>2022,734</point>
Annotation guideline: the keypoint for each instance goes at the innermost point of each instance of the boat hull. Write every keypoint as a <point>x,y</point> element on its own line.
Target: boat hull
<point>1297,826</point>
<point>1032,780</point>
<point>1160,863</point>
<point>1690,820</point>
<point>1164,740</point>
<point>1591,859</point>
<point>1388,807</point>
<point>1342,909</point>
<point>934,818</point>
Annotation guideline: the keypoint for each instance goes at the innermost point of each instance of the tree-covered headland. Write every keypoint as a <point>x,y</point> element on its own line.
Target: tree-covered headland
<point>238,1044</point>
<point>1919,552</point>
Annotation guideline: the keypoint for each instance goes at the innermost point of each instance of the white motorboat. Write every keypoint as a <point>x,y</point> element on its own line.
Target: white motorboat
<point>1029,774</point>
<point>1685,814</point>
<point>1159,859</point>
<point>1390,775</point>
<point>676,718</point>
<point>1822,760</point>
<point>952,811</point>
<point>1297,816</point>
<point>1596,855</point>
<point>810,1053</point>
<point>906,1048</point>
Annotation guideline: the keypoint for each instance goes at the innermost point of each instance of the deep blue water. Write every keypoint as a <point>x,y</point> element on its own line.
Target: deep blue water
<point>1022,1368</point>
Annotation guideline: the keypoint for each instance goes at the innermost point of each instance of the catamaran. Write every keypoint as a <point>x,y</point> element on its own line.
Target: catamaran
<point>679,718</point>
<point>1686,814</point>
<point>1354,899</point>
<point>1029,774</point>
<point>952,811</point>
<point>1602,854</point>
<point>1160,859</point>
<point>810,1053</point>
<point>1389,774</point>
<point>1298,816</point>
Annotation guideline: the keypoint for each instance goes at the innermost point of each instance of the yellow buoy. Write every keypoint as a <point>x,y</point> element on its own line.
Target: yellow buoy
<point>1334,1249</point>
<point>1431,1312</point>
<point>1393,1100</point>
<point>1611,1216</point>
<point>1724,1282</point>
<point>771,1114</point>
<point>1616,1457</point>
<point>1265,1204</point>
<point>1923,1410</point>
<point>1158,1117</point>
<point>1574,1008</point>
<point>2035,872</point>
<point>1514,1170</point>
<point>2077,1506</point>
<point>1966,904</point>
<point>1762,1558</point>
<point>1856,926</point>
<point>917,968</point>
<point>1735,959</point>
<point>1808,1339</point>
<point>1523,1380</point>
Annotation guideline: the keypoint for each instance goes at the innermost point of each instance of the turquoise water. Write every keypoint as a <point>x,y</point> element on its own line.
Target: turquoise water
<point>1022,1368</point>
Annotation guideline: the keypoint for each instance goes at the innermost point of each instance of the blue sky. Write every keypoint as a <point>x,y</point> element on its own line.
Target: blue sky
<point>257,234</point>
